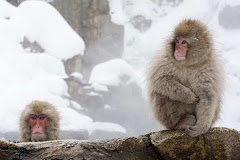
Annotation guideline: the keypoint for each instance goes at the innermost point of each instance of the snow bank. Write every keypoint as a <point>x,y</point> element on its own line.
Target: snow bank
<point>6,9</point>
<point>113,73</point>
<point>42,23</point>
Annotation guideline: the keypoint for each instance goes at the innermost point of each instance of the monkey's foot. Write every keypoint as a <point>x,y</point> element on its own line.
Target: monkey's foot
<point>187,122</point>
<point>196,130</point>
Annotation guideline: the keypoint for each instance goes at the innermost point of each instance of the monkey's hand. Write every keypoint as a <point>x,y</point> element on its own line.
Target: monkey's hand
<point>189,96</point>
<point>185,95</point>
<point>205,111</point>
<point>197,130</point>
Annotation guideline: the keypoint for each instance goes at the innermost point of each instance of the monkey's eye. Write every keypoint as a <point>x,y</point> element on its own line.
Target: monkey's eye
<point>184,42</point>
<point>42,116</point>
<point>176,41</point>
<point>32,116</point>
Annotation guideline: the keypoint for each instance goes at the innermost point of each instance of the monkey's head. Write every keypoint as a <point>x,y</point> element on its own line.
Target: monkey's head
<point>191,43</point>
<point>39,122</point>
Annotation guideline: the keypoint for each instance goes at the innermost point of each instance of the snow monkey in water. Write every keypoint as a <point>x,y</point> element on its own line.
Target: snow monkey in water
<point>39,121</point>
<point>185,80</point>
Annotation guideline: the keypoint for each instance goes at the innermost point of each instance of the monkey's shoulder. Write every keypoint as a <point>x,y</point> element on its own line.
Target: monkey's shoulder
<point>166,64</point>
<point>210,69</point>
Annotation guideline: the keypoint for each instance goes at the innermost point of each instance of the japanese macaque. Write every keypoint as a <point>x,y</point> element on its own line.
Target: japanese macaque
<point>39,121</point>
<point>185,80</point>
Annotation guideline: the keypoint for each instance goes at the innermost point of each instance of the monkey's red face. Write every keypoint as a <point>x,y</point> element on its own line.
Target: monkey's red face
<point>37,123</point>
<point>181,47</point>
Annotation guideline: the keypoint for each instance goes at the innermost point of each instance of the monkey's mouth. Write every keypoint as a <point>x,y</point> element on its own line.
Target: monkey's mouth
<point>38,133</point>
<point>180,58</point>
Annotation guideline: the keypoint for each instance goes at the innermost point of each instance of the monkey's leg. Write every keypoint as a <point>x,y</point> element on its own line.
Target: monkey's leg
<point>187,121</point>
<point>205,116</point>
<point>175,116</point>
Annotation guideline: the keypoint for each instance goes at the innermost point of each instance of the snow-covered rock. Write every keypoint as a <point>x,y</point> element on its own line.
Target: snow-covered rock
<point>42,23</point>
<point>113,73</point>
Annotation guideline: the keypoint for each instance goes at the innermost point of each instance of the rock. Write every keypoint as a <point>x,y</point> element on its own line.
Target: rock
<point>73,64</point>
<point>141,23</point>
<point>91,20</point>
<point>9,151</point>
<point>117,149</point>
<point>33,47</point>
<point>217,144</point>
<point>13,2</point>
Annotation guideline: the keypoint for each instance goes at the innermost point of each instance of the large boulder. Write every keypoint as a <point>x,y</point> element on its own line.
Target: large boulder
<point>217,144</point>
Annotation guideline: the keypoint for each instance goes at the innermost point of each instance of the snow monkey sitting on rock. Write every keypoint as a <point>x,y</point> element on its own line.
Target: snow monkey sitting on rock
<point>185,80</point>
<point>39,121</point>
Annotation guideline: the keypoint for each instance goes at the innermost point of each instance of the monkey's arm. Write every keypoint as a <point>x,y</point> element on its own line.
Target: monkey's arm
<point>205,111</point>
<point>170,87</point>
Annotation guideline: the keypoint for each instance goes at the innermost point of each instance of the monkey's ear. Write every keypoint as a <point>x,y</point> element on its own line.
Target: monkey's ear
<point>206,37</point>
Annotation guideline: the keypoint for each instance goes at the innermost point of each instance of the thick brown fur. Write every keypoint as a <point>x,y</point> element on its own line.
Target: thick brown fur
<point>39,107</point>
<point>187,94</point>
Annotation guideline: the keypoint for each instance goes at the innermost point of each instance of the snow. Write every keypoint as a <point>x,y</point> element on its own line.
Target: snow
<point>78,77</point>
<point>43,24</point>
<point>107,106</point>
<point>6,9</point>
<point>26,76</point>
<point>113,73</point>
<point>99,87</point>
<point>230,113</point>
<point>107,127</point>
<point>76,106</point>
<point>94,94</point>
<point>116,12</point>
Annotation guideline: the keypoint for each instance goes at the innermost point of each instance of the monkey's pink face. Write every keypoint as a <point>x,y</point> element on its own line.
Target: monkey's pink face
<point>181,47</point>
<point>37,123</point>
